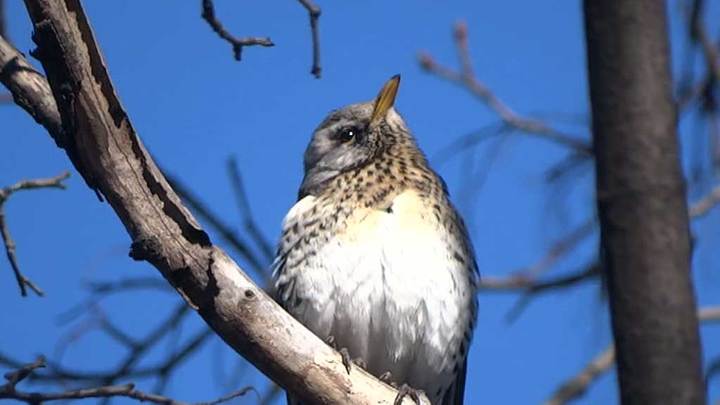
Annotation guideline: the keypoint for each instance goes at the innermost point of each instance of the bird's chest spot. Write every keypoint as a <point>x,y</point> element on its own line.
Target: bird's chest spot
<point>400,219</point>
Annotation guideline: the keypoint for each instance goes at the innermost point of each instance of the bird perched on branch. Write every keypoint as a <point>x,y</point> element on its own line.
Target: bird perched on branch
<point>375,258</point>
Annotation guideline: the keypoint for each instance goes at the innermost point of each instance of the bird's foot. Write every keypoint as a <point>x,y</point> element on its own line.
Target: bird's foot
<point>386,377</point>
<point>345,355</point>
<point>348,362</point>
<point>407,391</point>
<point>360,362</point>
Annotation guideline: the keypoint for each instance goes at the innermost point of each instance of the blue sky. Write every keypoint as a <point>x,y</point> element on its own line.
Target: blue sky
<point>194,106</point>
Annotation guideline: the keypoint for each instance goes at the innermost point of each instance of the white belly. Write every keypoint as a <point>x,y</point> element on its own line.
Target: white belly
<point>389,290</point>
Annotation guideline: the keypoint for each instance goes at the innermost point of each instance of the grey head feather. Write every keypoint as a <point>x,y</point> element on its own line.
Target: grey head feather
<point>332,152</point>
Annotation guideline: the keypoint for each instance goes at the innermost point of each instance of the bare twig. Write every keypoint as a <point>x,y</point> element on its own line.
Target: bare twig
<point>526,280</point>
<point>128,368</point>
<point>576,386</point>
<point>228,397</point>
<point>53,182</point>
<point>226,232</point>
<point>526,284</point>
<point>100,290</point>
<point>562,247</point>
<point>106,149</point>
<point>466,78</point>
<point>713,369</point>
<point>241,196</point>
<point>3,22</point>
<point>14,377</point>
<point>127,284</point>
<point>10,391</point>
<point>705,204</point>
<point>208,14</point>
<point>539,287</point>
<point>314,14</point>
<point>699,33</point>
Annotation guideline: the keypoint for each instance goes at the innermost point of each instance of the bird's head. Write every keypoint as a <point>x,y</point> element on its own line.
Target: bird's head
<point>350,137</point>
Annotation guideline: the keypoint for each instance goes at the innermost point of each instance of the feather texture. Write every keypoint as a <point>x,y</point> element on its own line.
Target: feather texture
<point>375,256</point>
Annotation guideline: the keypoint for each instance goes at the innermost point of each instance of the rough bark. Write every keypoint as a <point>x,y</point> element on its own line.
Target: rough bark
<point>641,201</point>
<point>102,144</point>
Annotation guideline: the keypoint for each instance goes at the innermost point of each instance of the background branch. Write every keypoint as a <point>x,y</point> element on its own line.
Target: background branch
<point>578,385</point>
<point>5,193</point>
<point>104,147</point>
<point>314,14</point>
<point>642,206</point>
<point>208,14</point>
<point>10,391</point>
<point>467,79</point>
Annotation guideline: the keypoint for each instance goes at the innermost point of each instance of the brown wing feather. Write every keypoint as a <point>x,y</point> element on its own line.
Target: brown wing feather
<point>456,394</point>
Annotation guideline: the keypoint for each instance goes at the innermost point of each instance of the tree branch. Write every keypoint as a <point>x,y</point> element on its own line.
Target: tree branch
<point>642,205</point>
<point>699,33</point>
<point>241,197</point>
<point>10,391</point>
<point>467,79</point>
<point>578,385</point>
<point>29,89</point>
<point>3,22</point>
<point>208,14</point>
<point>257,264</point>
<point>314,14</point>
<point>102,145</point>
<point>5,193</point>
<point>706,203</point>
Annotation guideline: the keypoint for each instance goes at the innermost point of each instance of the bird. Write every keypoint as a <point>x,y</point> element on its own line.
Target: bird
<point>374,257</point>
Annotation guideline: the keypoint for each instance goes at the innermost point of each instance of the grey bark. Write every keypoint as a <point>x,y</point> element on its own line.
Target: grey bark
<point>98,137</point>
<point>641,202</point>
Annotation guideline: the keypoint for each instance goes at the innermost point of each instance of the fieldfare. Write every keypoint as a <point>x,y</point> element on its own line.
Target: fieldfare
<point>374,256</point>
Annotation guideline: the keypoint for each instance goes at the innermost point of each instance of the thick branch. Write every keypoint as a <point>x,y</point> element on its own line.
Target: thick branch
<point>104,147</point>
<point>29,89</point>
<point>229,235</point>
<point>641,203</point>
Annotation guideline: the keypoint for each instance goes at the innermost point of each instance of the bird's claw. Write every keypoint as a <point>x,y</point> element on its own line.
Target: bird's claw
<point>346,360</point>
<point>407,391</point>
<point>345,355</point>
<point>386,377</point>
<point>330,341</point>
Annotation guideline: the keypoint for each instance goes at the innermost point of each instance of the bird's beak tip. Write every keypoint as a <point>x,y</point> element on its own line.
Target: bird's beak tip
<point>386,98</point>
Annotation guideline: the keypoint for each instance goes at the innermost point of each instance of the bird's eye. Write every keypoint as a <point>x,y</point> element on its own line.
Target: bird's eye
<point>347,134</point>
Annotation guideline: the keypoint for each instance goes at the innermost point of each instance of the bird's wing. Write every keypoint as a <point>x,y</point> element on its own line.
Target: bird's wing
<point>283,290</point>
<point>456,394</point>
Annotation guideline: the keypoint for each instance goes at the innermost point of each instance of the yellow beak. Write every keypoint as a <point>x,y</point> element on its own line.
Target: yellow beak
<point>385,99</point>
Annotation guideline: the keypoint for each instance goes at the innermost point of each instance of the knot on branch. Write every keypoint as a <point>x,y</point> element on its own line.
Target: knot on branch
<point>145,249</point>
